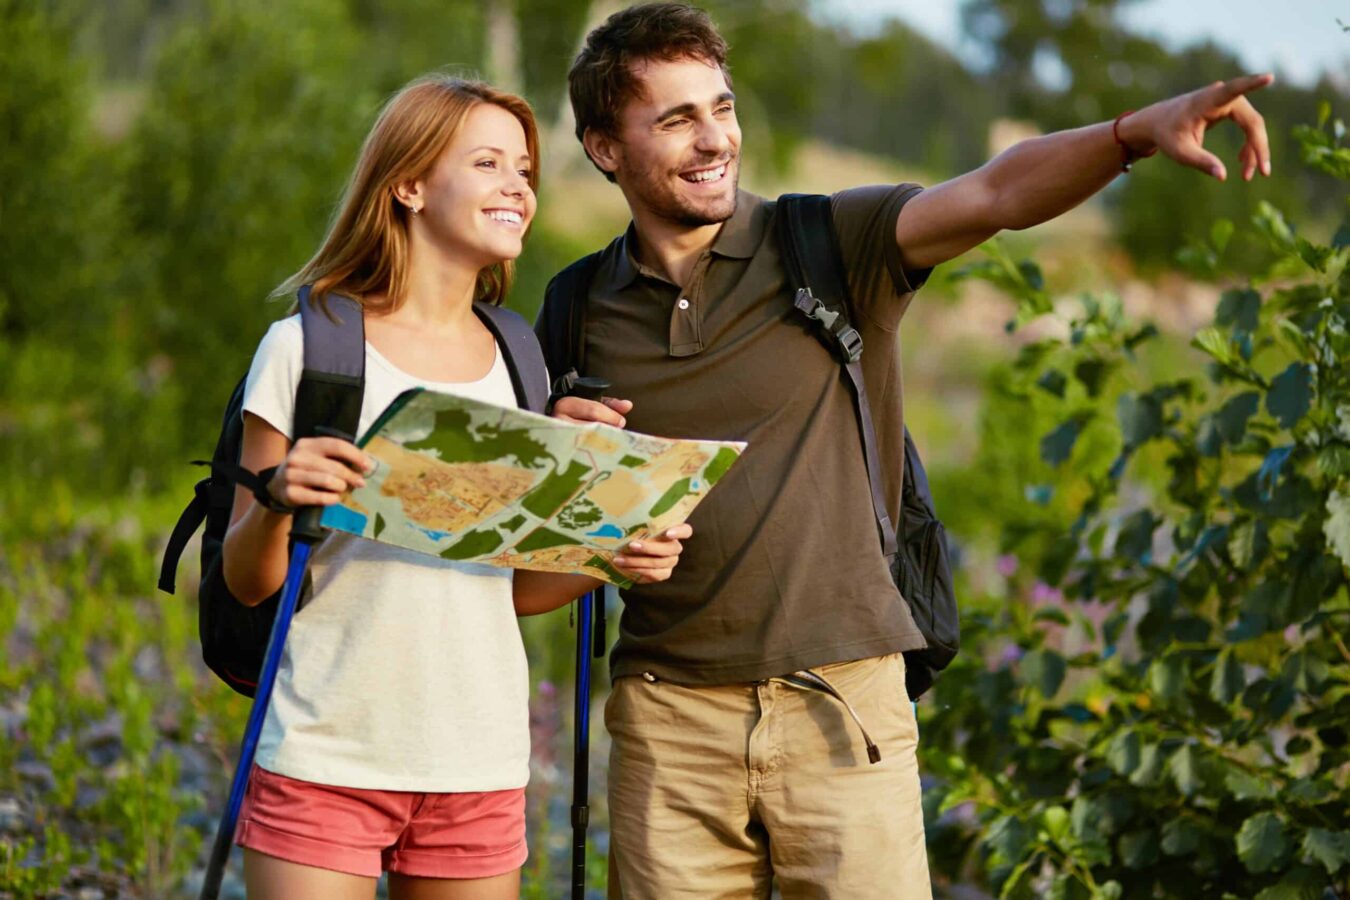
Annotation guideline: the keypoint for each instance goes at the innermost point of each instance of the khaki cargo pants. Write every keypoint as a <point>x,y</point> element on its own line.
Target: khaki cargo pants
<point>720,792</point>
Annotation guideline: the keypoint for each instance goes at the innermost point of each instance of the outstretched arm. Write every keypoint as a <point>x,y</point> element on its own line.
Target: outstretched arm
<point>1038,179</point>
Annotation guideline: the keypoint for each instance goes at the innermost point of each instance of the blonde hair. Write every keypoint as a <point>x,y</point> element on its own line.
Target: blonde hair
<point>366,249</point>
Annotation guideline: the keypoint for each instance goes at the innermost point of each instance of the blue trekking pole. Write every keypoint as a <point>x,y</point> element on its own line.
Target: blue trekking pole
<point>590,641</point>
<point>305,533</point>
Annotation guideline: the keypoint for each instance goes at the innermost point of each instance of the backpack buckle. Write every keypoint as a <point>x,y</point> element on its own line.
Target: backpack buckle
<point>844,340</point>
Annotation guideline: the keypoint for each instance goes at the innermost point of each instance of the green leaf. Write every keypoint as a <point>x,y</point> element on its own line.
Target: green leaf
<point>1006,839</point>
<point>1141,418</point>
<point>1261,842</point>
<point>1110,890</point>
<point>1336,527</point>
<point>1019,883</point>
<point>1123,753</point>
<point>1228,681</point>
<point>1248,543</point>
<point>1220,233</point>
<point>1299,883</point>
<point>1290,394</point>
<point>1180,837</point>
<point>1044,670</point>
<point>1184,767</point>
<point>1057,446</point>
<point>1092,372</point>
<point>1270,222</point>
<point>1151,765</point>
<point>1330,848</point>
<point>1167,676</point>
<point>1053,381</point>
<point>1135,540</point>
<point>1231,419</point>
<point>1239,310</point>
<point>1055,821</point>
<point>1216,344</point>
<point>1138,849</point>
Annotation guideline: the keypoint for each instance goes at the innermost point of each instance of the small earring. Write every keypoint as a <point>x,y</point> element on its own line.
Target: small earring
<point>415,210</point>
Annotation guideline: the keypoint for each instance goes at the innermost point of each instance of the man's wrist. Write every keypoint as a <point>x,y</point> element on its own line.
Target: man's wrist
<point>1135,131</point>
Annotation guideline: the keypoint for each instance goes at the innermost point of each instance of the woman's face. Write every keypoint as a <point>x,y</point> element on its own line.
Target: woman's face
<point>476,201</point>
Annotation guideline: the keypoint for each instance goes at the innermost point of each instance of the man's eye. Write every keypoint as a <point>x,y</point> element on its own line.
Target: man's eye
<point>676,123</point>
<point>723,110</point>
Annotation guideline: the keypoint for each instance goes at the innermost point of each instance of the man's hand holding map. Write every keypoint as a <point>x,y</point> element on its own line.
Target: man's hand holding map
<point>467,480</point>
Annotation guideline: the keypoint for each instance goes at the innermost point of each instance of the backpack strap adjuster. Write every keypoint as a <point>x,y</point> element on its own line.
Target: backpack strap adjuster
<point>845,341</point>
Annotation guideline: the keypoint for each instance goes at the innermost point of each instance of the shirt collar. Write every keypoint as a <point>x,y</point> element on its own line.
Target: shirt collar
<point>739,238</point>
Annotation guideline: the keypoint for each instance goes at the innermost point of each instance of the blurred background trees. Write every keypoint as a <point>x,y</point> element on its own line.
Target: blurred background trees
<point>168,162</point>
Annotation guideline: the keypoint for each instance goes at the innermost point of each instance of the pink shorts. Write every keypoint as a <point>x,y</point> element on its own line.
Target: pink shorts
<point>364,832</point>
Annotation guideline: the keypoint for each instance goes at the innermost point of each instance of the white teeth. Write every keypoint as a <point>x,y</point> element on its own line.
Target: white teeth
<point>709,175</point>
<point>504,215</point>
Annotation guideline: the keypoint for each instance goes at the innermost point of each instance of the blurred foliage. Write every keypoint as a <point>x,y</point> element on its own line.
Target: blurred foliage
<point>1162,709</point>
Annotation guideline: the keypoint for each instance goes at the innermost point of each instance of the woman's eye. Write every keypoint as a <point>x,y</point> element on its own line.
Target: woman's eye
<point>523,173</point>
<point>490,163</point>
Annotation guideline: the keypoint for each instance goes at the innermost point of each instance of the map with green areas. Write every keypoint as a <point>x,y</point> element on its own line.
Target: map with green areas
<point>467,480</point>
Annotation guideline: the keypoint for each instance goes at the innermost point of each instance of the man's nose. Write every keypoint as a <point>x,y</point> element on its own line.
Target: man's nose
<point>713,137</point>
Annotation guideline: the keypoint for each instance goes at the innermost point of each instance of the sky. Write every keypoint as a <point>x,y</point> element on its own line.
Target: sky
<point>1297,38</point>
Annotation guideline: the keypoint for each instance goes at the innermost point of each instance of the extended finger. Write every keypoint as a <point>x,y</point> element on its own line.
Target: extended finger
<point>620,406</point>
<point>1230,90</point>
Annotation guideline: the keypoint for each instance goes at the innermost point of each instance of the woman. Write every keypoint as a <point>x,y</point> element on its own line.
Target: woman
<point>397,736</point>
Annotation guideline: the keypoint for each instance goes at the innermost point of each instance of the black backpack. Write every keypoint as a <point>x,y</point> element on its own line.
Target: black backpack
<point>918,554</point>
<point>328,400</point>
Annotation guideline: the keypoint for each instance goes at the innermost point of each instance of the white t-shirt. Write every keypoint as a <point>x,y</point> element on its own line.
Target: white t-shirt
<point>402,671</point>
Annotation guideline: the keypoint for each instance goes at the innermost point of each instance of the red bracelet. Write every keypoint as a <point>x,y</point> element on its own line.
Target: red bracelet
<point>1127,155</point>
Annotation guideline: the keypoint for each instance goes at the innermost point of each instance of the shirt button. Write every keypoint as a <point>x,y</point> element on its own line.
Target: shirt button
<point>683,304</point>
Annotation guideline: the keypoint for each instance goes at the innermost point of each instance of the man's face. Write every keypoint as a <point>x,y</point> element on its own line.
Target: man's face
<point>678,152</point>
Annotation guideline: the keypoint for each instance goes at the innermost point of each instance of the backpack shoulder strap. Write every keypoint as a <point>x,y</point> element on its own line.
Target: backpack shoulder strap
<point>561,326</point>
<point>815,266</point>
<point>524,359</point>
<point>332,385</point>
<point>333,381</point>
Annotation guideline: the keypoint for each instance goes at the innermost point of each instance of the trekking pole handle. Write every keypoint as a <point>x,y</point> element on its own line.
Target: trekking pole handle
<point>305,526</point>
<point>589,387</point>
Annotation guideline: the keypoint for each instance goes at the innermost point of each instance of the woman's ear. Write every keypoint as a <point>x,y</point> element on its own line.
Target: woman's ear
<point>410,195</point>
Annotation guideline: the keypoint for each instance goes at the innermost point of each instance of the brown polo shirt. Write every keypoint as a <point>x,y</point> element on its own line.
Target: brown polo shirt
<point>785,569</point>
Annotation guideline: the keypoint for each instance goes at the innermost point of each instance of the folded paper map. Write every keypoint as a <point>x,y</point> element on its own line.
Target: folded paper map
<point>468,480</point>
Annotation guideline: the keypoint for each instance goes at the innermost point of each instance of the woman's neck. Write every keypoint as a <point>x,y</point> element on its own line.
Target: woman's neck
<point>438,293</point>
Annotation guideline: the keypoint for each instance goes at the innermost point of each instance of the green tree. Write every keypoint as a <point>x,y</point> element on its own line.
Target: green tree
<point>252,123</point>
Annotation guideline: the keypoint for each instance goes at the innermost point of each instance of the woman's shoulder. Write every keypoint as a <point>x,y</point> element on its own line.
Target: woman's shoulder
<point>284,336</point>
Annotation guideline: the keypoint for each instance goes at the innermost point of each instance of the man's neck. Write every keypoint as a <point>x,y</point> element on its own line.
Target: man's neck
<point>669,247</point>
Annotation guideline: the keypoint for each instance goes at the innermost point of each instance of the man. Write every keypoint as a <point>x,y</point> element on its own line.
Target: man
<point>727,772</point>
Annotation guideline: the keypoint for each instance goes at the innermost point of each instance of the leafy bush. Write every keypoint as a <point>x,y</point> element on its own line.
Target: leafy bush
<point>1159,703</point>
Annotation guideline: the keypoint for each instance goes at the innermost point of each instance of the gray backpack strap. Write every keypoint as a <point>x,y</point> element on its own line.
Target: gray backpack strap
<point>333,381</point>
<point>524,359</point>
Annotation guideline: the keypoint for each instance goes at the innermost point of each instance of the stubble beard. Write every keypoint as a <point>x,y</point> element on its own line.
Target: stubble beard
<point>654,191</point>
